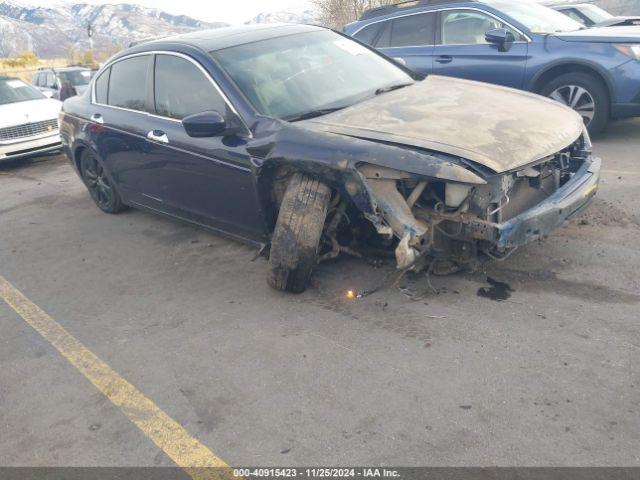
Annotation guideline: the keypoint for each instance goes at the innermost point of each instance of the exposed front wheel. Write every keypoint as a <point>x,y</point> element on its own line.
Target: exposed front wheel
<point>95,178</point>
<point>585,94</point>
<point>295,241</point>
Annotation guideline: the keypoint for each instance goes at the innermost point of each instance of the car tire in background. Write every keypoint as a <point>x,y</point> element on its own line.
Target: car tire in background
<point>95,179</point>
<point>584,93</point>
<point>296,238</point>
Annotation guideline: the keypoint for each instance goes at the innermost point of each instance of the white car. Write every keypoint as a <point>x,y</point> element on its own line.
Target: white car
<point>28,120</point>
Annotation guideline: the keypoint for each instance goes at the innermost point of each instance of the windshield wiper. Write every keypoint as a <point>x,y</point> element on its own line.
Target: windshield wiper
<point>391,88</point>
<point>314,113</point>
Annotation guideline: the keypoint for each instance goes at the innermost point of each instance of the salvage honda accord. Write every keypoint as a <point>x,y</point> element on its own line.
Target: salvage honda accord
<point>301,138</point>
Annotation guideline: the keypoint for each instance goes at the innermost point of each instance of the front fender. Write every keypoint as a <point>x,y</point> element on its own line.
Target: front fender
<point>335,158</point>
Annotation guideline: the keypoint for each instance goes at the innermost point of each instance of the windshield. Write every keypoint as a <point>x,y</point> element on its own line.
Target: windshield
<point>13,90</point>
<point>537,18</point>
<point>76,77</point>
<point>293,76</point>
<point>594,13</point>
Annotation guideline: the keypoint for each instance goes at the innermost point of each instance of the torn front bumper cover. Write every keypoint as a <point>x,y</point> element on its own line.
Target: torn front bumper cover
<point>537,222</point>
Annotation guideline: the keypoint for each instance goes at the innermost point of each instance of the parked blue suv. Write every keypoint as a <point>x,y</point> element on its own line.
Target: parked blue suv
<point>514,43</point>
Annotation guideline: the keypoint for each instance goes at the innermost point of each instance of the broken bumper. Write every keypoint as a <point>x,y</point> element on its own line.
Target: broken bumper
<point>565,203</point>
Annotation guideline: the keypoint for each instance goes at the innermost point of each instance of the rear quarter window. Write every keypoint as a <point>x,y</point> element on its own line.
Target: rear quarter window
<point>384,39</point>
<point>102,86</point>
<point>368,34</point>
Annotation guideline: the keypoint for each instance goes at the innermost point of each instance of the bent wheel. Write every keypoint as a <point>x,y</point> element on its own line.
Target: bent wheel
<point>95,178</point>
<point>295,241</point>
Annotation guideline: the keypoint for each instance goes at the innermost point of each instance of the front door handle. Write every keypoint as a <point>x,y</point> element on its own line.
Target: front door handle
<point>158,136</point>
<point>97,118</point>
<point>444,59</point>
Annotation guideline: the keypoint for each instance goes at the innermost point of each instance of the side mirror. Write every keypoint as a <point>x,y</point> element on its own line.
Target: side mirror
<point>401,61</point>
<point>500,37</point>
<point>204,124</point>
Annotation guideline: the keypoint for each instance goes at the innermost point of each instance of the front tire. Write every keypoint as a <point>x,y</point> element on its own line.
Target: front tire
<point>100,188</point>
<point>583,93</point>
<point>296,238</point>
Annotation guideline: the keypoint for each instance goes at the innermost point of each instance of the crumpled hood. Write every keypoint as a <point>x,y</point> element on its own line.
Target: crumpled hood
<point>623,34</point>
<point>498,127</point>
<point>19,113</point>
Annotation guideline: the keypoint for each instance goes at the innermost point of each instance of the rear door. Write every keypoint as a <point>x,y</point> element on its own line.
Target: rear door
<point>410,38</point>
<point>462,51</point>
<point>120,116</point>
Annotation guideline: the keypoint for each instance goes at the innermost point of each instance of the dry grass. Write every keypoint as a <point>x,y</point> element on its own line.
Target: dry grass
<point>26,73</point>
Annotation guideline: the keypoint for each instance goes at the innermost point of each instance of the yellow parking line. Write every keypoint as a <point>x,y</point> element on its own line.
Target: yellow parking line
<point>165,432</point>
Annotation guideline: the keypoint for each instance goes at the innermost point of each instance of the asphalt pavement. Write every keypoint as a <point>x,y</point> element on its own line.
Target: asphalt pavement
<point>407,376</point>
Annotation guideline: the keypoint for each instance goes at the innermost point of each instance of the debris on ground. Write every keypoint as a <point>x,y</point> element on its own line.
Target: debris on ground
<point>498,291</point>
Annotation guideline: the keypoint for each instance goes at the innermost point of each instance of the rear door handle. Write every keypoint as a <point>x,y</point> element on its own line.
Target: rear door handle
<point>97,118</point>
<point>158,136</point>
<point>444,59</point>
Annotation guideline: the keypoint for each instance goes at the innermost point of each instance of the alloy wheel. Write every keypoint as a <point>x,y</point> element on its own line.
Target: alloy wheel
<point>578,98</point>
<point>97,181</point>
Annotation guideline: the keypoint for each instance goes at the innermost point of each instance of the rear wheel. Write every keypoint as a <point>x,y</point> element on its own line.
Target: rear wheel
<point>295,241</point>
<point>95,178</point>
<point>585,94</point>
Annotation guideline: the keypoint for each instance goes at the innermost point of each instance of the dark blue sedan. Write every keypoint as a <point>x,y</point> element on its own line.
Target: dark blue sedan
<point>515,43</point>
<point>303,139</point>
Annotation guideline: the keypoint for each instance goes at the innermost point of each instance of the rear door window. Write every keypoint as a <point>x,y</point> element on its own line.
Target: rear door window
<point>182,89</point>
<point>128,83</point>
<point>413,30</point>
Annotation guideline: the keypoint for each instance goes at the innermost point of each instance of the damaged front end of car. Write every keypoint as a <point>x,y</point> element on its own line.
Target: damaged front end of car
<point>456,221</point>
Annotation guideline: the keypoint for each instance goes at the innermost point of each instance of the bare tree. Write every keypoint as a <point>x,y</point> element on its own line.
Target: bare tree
<point>337,13</point>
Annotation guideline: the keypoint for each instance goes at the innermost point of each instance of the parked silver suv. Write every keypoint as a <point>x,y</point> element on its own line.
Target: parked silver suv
<point>62,83</point>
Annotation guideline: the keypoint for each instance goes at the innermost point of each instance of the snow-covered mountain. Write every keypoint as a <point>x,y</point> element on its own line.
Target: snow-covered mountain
<point>286,16</point>
<point>52,31</point>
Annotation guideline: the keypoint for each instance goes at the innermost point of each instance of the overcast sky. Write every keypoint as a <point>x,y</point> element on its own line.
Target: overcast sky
<point>231,11</point>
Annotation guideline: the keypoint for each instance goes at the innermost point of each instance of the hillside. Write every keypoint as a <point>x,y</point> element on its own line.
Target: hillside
<point>53,31</point>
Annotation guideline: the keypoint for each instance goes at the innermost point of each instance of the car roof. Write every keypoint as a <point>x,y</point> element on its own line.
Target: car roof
<point>69,69</point>
<point>60,69</point>
<point>406,5</point>
<point>416,6</point>
<point>220,38</point>
<point>565,3</point>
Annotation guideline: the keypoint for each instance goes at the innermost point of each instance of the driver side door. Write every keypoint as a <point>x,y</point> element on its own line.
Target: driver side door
<point>462,51</point>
